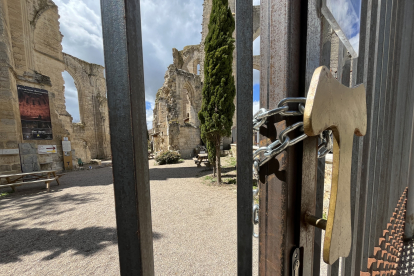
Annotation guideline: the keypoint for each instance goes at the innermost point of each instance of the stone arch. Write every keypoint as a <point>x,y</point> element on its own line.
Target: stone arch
<point>43,9</point>
<point>47,37</point>
<point>92,102</point>
<point>79,80</point>
<point>188,104</point>
<point>75,113</point>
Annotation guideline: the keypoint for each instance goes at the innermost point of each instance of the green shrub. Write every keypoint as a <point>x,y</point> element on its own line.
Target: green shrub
<point>168,157</point>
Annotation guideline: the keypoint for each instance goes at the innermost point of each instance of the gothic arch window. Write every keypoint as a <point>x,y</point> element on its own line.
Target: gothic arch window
<point>188,104</point>
<point>71,97</point>
<point>196,67</point>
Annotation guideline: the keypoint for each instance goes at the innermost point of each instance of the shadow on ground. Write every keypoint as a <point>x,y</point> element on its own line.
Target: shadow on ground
<point>83,178</point>
<point>44,204</point>
<point>165,173</point>
<point>17,242</point>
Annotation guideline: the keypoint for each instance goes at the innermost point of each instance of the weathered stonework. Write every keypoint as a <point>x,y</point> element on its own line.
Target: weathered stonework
<point>31,55</point>
<point>175,123</point>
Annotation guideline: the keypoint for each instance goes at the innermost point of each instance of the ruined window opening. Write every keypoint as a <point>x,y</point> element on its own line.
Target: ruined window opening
<point>71,97</point>
<point>198,69</point>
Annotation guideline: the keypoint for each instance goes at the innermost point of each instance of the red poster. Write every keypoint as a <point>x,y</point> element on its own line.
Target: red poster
<point>35,113</point>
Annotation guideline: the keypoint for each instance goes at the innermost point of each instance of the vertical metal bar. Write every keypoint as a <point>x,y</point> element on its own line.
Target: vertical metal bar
<point>386,198</point>
<point>264,102</point>
<point>406,84</point>
<point>318,51</point>
<point>244,34</point>
<point>382,103</point>
<point>398,150</point>
<point>121,23</point>
<point>365,70</point>
<point>409,225</point>
<point>343,71</point>
<point>279,188</point>
<point>311,249</point>
<point>347,265</point>
<point>327,33</point>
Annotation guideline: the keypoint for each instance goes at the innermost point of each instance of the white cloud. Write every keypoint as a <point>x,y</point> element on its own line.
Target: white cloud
<point>256,77</point>
<point>175,25</point>
<point>347,18</point>
<point>256,51</point>
<point>256,107</point>
<point>80,23</point>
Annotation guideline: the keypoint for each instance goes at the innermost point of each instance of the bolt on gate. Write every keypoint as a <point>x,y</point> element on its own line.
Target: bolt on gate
<point>297,37</point>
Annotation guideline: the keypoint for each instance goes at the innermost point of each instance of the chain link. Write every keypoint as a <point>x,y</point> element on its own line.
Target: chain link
<point>283,141</point>
<point>282,108</point>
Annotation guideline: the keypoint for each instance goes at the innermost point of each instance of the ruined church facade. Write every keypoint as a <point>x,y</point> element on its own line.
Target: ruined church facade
<point>178,101</point>
<point>31,56</point>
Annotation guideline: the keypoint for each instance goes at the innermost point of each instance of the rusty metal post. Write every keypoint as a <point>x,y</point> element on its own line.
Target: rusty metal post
<point>283,53</point>
<point>121,23</point>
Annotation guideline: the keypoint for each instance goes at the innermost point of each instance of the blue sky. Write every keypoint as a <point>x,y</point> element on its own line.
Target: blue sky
<point>347,14</point>
<point>176,25</point>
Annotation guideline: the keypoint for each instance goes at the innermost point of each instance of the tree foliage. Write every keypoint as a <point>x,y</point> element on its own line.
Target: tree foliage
<point>216,114</point>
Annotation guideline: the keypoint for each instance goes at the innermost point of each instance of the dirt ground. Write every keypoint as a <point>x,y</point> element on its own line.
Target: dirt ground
<point>72,229</point>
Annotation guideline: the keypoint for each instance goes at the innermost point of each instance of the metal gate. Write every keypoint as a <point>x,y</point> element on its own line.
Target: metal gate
<point>295,40</point>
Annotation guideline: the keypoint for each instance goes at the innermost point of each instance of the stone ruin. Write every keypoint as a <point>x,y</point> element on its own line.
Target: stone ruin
<point>178,101</point>
<point>31,56</point>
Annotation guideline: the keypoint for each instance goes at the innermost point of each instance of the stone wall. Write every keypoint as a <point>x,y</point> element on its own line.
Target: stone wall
<point>31,55</point>
<point>176,124</point>
<point>91,135</point>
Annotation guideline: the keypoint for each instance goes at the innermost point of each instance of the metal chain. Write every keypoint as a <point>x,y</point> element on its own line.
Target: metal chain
<point>283,142</point>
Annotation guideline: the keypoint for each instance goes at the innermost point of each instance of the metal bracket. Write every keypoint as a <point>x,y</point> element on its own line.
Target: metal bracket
<point>296,262</point>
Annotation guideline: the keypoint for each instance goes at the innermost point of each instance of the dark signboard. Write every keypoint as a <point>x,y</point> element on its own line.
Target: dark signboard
<point>34,113</point>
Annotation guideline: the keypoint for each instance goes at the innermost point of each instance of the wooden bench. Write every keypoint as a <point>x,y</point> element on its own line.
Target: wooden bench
<point>201,158</point>
<point>19,179</point>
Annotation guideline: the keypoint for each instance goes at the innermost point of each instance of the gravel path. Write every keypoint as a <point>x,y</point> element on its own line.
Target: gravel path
<point>72,230</point>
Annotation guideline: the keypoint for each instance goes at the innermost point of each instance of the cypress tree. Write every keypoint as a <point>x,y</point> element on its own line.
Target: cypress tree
<point>216,114</point>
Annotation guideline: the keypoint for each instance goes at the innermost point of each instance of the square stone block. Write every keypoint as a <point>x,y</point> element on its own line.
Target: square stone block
<point>5,168</point>
<point>27,168</point>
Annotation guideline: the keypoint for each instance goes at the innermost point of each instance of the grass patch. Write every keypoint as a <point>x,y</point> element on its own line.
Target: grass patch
<point>232,181</point>
<point>232,162</point>
<point>5,194</point>
<point>209,179</point>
